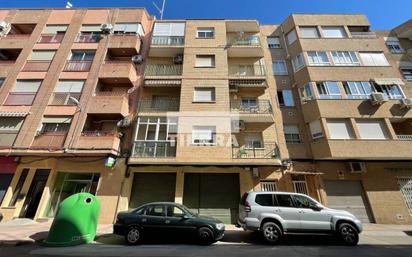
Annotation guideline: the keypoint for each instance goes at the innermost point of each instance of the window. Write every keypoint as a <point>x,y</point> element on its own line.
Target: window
<point>66,89</point>
<point>285,98</point>
<point>174,211</point>
<point>309,32</point>
<point>372,129</point>
<point>204,94</point>
<point>392,91</point>
<point>253,140</point>
<point>339,129</point>
<point>80,56</point>
<point>279,67</point>
<point>358,89</point>
<point>373,59</point>
<point>1,82</point>
<point>205,33</point>
<point>9,129</point>
<point>291,37</point>
<point>23,92</point>
<point>334,32</point>
<point>55,124</point>
<point>204,135</point>
<point>128,28</point>
<point>207,61</point>
<point>393,45</point>
<point>306,92</point>
<point>55,29</point>
<point>345,58</point>
<point>273,42</point>
<point>318,58</point>
<point>406,72</point>
<point>169,29</point>
<point>298,62</point>
<point>284,200</point>
<point>42,56</point>
<point>249,103</point>
<point>264,199</point>
<point>155,210</point>
<point>304,202</point>
<point>292,135</point>
<point>328,90</point>
<point>316,129</point>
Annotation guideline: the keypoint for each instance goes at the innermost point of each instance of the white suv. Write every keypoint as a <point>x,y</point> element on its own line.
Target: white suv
<point>277,213</point>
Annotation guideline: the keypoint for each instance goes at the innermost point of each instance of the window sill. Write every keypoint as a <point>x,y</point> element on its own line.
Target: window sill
<point>205,67</point>
<point>205,37</point>
<point>203,102</point>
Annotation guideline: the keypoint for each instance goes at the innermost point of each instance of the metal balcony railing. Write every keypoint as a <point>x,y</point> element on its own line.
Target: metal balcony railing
<point>87,38</point>
<point>159,105</point>
<point>268,151</point>
<point>256,107</point>
<point>405,137</point>
<point>99,133</point>
<point>166,40</point>
<point>154,149</point>
<point>50,140</point>
<point>20,98</point>
<point>36,66</point>
<point>63,98</point>
<point>163,70</point>
<point>51,38</point>
<point>247,70</point>
<point>368,34</point>
<point>245,41</point>
<point>77,65</point>
<point>7,138</point>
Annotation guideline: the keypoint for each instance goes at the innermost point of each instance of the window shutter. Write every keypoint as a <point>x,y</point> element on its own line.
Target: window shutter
<point>334,32</point>
<point>42,55</point>
<point>372,129</point>
<point>26,86</point>
<point>204,94</point>
<point>161,29</point>
<point>53,29</point>
<point>177,29</point>
<point>57,119</point>
<point>316,129</point>
<point>273,41</point>
<point>66,86</point>
<point>309,32</point>
<point>291,129</point>
<point>205,60</point>
<point>90,28</point>
<point>339,129</point>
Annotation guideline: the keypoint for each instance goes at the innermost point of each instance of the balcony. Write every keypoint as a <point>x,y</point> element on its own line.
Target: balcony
<point>235,84</point>
<point>99,140</point>
<point>15,98</point>
<point>78,65</point>
<point>165,46</point>
<point>7,138</point>
<point>109,103</point>
<point>36,66</point>
<point>12,41</point>
<point>49,140</point>
<point>154,149</point>
<point>51,38</point>
<point>244,46</point>
<point>367,34</point>
<point>87,38</point>
<point>259,111</point>
<point>161,104</point>
<point>167,41</point>
<point>5,67</point>
<point>62,98</point>
<point>124,44</point>
<point>118,70</point>
<point>268,151</point>
<point>238,70</point>
<point>163,70</point>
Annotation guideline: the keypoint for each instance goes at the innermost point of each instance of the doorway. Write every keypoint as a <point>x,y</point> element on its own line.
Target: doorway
<point>33,197</point>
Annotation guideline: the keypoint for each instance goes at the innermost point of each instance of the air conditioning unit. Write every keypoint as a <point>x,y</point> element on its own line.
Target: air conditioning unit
<point>4,28</point>
<point>178,59</point>
<point>137,59</point>
<point>356,167</point>
<point>378,98</point>
<point>405,103</point>
<point>124,123</point>
<point>106,28</point>
<point>238,125</point>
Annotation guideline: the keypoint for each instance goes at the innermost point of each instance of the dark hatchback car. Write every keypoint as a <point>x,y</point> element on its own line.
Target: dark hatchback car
<point>167,219</point>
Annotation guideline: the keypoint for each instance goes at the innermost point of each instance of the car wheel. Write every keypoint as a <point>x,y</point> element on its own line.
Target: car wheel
<point>271,232</point>
<point>348,234</point>
<point>205,236</point>
<point>133,236</point>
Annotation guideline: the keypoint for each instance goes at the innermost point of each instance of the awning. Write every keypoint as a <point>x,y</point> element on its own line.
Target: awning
<point>14,114</point>
<point>388,81</point>
<point>304,172</point>
<point>162,82</point>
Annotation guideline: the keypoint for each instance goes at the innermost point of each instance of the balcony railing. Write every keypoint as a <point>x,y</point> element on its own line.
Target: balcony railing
<point>49,140</point>
<point>166,40</point>
<point>247,70</point>
<point>369,34</point>
<point>154,149</point>
<point>99,133</point>
<point>87,38</point>
<point>163,70</point>
<point>36,66</point>
<point>78,65</point>
<point>247,41</point>
<point>51,38</point>
<point>20,98</point>
<point>7,138</point>
<point>257,107</point>
<point>62,98</point>
<point>268,151</point>
<point>405,137</point>
<point>159,105</point>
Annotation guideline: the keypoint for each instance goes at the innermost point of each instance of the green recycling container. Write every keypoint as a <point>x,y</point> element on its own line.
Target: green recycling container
<point>75,221</point>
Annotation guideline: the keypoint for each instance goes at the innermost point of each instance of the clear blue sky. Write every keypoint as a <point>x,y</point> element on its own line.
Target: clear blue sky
<point>383,14</point>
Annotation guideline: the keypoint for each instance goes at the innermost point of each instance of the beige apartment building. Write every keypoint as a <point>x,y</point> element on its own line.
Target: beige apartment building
<point>201,111</point>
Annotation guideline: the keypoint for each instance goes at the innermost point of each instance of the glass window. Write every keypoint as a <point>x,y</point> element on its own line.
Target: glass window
<point>318,58</point>
<point>393,45</point>
<point>273,42</point>
<point>358,89</point>
<point>316,129</point>
<point>334,32</point>
<point>345,58</point>
<point>67,86</point>
<point>205,33</point>
<point>155,210</point>
<point>249,102</point>
<point>253,140</point>
<point>328,90</point>
<point>82,56</point>
<point>306,93</point>
<point>284,200</point>
<point>373,59</point>
<point>174,211</point>
<point>204,94</point>
<point>406,72</point>
<point>279,67</point>
<point>205,61</point>
<point>304,202</point>
<point>291,37</point>
<point>298,62</point>
<point>339,129</point>
<point>285,98</point>
<point>392,91</point>
<point>264,199</point>
<point>372,129</point>
<point>309,32</point>
<point>292,135</point>
<point>204,135</point>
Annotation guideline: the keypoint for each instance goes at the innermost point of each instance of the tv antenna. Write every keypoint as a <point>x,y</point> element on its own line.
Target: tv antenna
<point>69,5</point>
<point>160,10</point>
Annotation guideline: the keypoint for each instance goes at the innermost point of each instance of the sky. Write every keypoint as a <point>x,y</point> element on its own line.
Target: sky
<point>382,14</point>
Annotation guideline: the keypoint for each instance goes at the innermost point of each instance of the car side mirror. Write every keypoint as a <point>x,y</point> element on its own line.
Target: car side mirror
<point>185,217</point>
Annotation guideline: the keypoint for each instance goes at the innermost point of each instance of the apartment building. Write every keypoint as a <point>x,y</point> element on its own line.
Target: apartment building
<point>344,93</point>
<point>69,88</point>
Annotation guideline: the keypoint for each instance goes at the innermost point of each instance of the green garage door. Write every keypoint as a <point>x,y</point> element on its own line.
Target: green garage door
<point>152,187</point>
<point>215,195</point>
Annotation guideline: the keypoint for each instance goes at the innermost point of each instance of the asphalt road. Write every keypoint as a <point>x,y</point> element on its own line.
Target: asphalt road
<point>236,243</point>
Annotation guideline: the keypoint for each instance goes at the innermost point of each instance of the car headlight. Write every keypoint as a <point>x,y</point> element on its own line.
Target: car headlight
<point>220,226</point>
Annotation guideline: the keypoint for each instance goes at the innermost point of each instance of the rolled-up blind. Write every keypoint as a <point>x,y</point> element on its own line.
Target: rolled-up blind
<point>26,86</point>
<point>66,86</point>
<point>53,29</point>
<point>169,29</point>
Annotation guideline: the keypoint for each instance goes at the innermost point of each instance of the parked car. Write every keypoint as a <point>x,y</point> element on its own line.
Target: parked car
<point>275,214</point>
<point>170,219</point>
